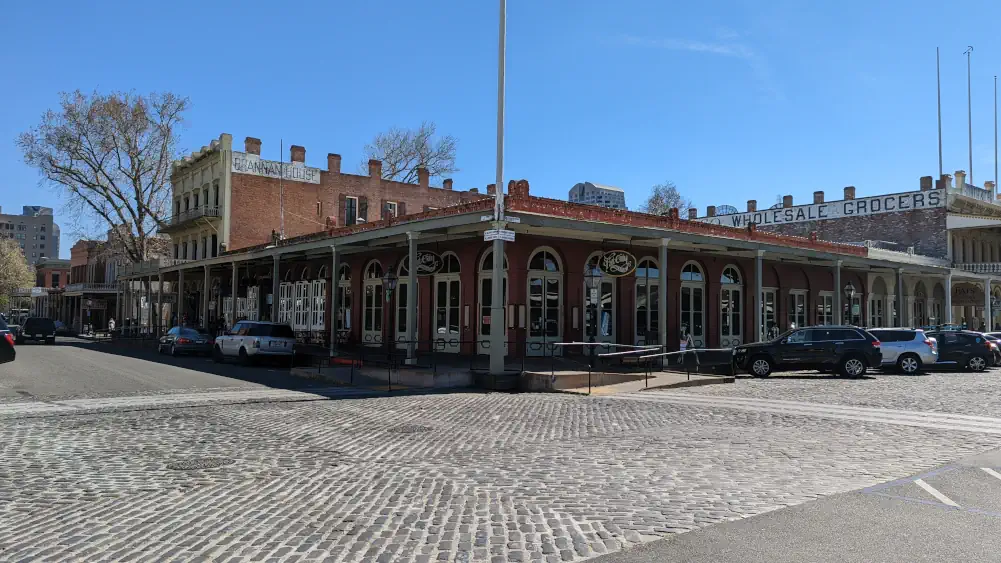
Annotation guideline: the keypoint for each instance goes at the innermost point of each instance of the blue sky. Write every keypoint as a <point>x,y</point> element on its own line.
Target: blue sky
<point>731,100</point>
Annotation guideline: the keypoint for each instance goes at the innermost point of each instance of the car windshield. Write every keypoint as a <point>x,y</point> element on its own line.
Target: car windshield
<point>193,333</point>
<point>39,324</point>
<point>282,331</point>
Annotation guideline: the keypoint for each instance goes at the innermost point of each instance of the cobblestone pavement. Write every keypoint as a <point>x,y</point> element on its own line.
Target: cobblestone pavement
<point>448,477</point>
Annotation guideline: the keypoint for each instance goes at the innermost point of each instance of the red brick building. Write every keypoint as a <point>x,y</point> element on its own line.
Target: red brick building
<point>225,199</point>
<point>52,273</point>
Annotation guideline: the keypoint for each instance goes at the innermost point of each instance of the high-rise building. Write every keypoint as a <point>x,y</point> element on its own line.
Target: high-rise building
<point>34,230</point>
<point>598,194</point>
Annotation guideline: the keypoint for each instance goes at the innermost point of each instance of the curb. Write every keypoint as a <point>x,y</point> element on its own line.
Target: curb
<point>694,383</point>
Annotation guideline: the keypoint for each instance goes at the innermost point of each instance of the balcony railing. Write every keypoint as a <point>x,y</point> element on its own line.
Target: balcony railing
<point>91,287</point>
<point>149,267</point>
<point>982,268</point>
<point>192,214</point>
<point>974,192</point>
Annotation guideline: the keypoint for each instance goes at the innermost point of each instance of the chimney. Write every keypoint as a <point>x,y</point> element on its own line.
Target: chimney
<point>693,213</point>
<point>374,168</point>
<point>711,211</point>
<point>787,201</point>
<point>849,192</point>
<point>252,145</point>
<point>926,182</point>
<point>297,154</point>
<point>447,184</point>
<point>752,205</point>
<point>491,189</point>
<point>423,176</point>
<point>818,196</point>
<point>960,179</point>
<point>334,163</point>
<point>989,186</point>
<point>518,189</point>
<point>944,182</point>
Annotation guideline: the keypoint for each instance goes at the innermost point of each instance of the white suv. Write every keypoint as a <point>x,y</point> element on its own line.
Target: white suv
<point>255,339</point>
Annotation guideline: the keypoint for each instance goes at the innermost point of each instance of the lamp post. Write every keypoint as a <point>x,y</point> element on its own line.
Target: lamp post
<point>592,281</point>
<point>849,295</point>
<point>389,280</point>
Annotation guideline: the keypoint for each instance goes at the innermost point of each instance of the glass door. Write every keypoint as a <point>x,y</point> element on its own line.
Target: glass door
<point>544,308</point>
<point>446,323</point>
<point>769,315</point>
<point>487,322</point>
<point>604,308</point>
<point>693,315</point>
<point>372,317</point>
<point>401,313</point>
<point>647,312</point>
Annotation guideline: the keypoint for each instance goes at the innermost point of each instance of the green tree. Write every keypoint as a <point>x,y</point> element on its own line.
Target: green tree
<point>15,273</point>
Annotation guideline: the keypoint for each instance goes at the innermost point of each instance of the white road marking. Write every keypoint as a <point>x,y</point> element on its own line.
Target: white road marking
<point>922,419</point>
<point>991,472</point>
<point>935,493</point>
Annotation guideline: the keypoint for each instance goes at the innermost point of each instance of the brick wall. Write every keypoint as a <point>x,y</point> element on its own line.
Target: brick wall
<point>43,276</point>
<point>924,229</point>
<point>256,203</point>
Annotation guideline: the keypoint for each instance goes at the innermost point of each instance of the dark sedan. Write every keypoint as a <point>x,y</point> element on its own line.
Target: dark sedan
<point>7,352</point>
<point>185,340</point>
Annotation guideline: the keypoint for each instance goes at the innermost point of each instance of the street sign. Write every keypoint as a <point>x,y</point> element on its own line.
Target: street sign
<point>502,234</point>
<point>511,219</point>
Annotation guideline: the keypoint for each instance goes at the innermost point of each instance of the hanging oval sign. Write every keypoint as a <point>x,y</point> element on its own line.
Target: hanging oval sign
<point>617,263</point>
<point>428,263</point>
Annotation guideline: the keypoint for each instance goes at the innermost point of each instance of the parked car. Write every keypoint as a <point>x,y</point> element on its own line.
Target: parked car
<point>963,348</point>
<point>186,340</point>
<point>62,329</point>
<point>908,350</point>
<point>7,352</point>
<point>995,346</point>
<point>37,328</point>
<point>849,350</point>
<point>251,340</point>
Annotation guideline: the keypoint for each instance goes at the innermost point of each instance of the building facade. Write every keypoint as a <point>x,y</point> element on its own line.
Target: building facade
<point>52,273</point>
<point>34,229</point>
<point>597,194</point>
<point>225,200</point>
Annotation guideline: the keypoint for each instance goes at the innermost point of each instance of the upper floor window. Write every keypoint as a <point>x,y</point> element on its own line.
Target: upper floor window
<point>391,209</point>
<point>196,200</point>
<point>350,210</point>
<point>43,228</point>
<point>187,203</point>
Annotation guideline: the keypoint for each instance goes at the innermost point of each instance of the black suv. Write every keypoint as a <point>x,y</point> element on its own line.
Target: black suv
<point>964,348</point>
<point>849,350</point>
<point>37,328</point>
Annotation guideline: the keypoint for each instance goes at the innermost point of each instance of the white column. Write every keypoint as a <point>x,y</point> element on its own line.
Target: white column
<point>662,294</point>
<point>948,298</point>
<point>497,329</point>
<point>159,303</point>
<point>333,296</point>
<point>838,315</point>
<point>900,297</point>
<point>274,287</point>
<point>759,303</point>
<point>205,298</point>
<point>180,296</point>
<point>412,305</point>
<point>987,305</point>
<point>234,287</point>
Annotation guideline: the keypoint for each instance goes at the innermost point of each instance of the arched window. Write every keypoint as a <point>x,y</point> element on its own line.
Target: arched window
<point>544,259</point>
<point>730,307</point>
<point>372,309</point>
<point>692,306</point>
<point>487,262</point>
<point>447,301</point>
<point>450,263</point>
<point>343,301</point>
<point>486,322</point>
<point>321,273</point>
<point>600,317</point>
<point>344,273</point>
<point>373,271</point>
<point>647,302</point>
<point>304,275</point>
<point>404,269</point>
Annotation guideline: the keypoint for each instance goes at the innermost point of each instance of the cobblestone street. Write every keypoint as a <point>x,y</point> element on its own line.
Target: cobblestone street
<point>449,477</point>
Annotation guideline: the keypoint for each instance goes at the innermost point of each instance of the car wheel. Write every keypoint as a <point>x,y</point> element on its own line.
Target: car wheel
<point>244,358</point>
<point>173,351</point>
<point>761,366</point>
<point>976,363</point>
<point>852,366</point>
<point>217,355</point>
<point>909,364</point>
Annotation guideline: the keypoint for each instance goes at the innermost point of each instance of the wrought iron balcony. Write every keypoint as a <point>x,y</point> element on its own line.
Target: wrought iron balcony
<point>91,287</point>
<point>982,267</point>
<point>185,218</point>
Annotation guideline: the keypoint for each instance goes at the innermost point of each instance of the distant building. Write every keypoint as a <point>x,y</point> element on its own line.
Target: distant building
<point>598,194</point>
<point>52,273</point>
<point>35,230</point>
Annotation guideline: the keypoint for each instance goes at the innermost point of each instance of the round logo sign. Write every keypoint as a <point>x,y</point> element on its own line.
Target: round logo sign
<point>428,263</point>
<point>617,263</point>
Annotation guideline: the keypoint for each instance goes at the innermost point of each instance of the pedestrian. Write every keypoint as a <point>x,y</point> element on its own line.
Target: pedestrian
<point>111,324</point>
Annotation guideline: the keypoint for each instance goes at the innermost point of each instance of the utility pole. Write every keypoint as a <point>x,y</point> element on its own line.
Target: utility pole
<point>938,86</point>
<point>498,328</point>
<point>969,109</point>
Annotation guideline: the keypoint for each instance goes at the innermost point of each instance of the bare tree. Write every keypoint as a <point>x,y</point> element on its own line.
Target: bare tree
<point>403,151</point>
<point>15,273</point>
<point>663,198</point>
<point>111,155</point>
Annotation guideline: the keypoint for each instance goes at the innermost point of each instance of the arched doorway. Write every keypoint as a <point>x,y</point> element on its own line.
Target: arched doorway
<point>545,301</point>
<point>603,306</point>
<point>486,321</point>
<point>731,308</point>
<point>343,302</point>
<point>877,303</point>
<point>692,306</point>
<point>402,295</point>
<point>447,300</point>
<point>647,330</point>
<point>371,329</point>
<point>919,306</point>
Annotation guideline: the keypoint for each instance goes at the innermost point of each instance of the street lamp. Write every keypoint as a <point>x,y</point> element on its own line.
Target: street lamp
<point>389,280</point>
<point>592,281</point>
<point>849,295</point>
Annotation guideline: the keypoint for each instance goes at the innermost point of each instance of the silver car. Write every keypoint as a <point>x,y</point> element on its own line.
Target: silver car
<point>906,349</point>
<point>250,340</point>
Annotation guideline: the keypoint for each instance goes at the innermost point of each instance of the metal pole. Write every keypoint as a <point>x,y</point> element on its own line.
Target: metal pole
<point>233,287</point>
<point>334,280</point>
<point>899,322</point>
<point>205,299</point>
<point>839,317</point>
<point>987,305</point>
<point>180,297</point>
<point>993,195</point>
<point>497,277</point>
<point>159,303</point>
<point>274,286</point>
<point>948,298</point>
<point>938,86</point>
<point>412,300</point>
<point>969,108</point>
<point>662,305</point>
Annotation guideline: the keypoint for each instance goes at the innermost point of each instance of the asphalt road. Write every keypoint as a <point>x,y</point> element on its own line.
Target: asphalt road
<point>80,368</point>
<point>898,521</point>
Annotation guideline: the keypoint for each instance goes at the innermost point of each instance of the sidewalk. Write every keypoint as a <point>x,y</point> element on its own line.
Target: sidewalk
<point>658,380</point>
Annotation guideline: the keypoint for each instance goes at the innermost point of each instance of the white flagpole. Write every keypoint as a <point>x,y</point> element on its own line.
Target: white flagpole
<point>938,85</point>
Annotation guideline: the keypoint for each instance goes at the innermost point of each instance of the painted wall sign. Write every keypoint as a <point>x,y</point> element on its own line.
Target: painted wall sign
<point>862,207</point>
<point>967,295</point>
<point>428,263</point>
<point>244,163</point>
<point>617,263</point>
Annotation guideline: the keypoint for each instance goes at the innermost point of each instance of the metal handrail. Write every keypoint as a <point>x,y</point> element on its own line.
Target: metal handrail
<point>190,214</point>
